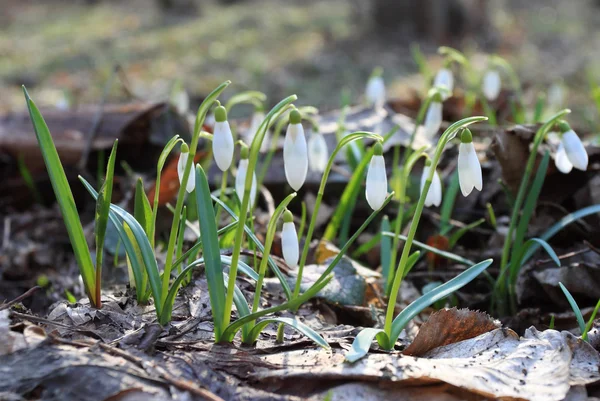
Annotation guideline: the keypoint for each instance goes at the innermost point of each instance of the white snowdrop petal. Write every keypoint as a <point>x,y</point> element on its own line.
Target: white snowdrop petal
<point>562,161</point>
<point>469,169</point>
<point>376,185</point>
<point>444,79</point>
<point>575,150</point>
<point>222,145</point>
<point>491,85</point>
<point>289,244</point>
<point>433,119</point>
<point>191,182</point>
<point>375,92</point>
<point>318,154</point>
<point>295,157</point>
<point>240,182</point>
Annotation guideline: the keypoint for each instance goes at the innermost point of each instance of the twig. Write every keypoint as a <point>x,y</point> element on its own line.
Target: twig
<point>21,297</point>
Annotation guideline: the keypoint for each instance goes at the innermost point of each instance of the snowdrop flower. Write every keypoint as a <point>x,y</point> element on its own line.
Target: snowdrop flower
<point>183,158</point>
<point>444,79</point>
<point>491,85</point>
<point>469,169</point>
<point>433,118</point>
<point>180,100</point>
<point>434,195</point>
<point>318,154</point>
<point>295,157</point>
<point>556,95</point>
<point>289,240</point>
<point>375,90</point>
<point>571,152</point>
<point>376,179</point>
<point>222,143</point>
<point>240,178</point>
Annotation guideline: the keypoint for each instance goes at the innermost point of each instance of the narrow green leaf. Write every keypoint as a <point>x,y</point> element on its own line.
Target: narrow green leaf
<point>101,216</point>
<point>293,323</point>
<point>445,254</point>
<point>226,260</point>
<point>142,211</point>
<point>590,322</point>
<point>28,178</point>
<point>412,261</point>
<point>575,308</point>
<point>440,292</point>
<point>454,238</point>
<point>65,200</point>
<point>210,250</point>
<point>362,343</point>
<point>385,250</point>
<point>529,206</point>
<point>253,97</point>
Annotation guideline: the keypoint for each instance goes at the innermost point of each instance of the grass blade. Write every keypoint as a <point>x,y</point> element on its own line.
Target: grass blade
<point>385,250</point>
<point>445,254</point>
<point>590,322</point>
<point>448,204</point>
<point>435,295</point>
<point>65,200</point>
<point>210,250</point>
<point>575,308</point>
<point>454,238</point>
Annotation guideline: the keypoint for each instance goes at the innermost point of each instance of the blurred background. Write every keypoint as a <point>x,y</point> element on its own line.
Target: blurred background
<point>65,51</point>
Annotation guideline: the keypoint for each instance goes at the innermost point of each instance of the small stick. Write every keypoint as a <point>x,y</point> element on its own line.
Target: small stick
<point>21,297</point>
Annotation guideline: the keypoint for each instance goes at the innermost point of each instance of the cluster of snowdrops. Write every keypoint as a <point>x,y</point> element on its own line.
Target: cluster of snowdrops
<point>137,230</point>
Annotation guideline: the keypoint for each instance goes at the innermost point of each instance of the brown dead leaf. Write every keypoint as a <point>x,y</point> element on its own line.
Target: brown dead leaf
<point>449,326</point>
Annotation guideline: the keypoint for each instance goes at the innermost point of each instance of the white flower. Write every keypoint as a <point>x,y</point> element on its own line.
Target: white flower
<point>222,143</point>
<point>181,101</point>
<point>375,91</point>
<point>240,182</point>
<point>491,85</point>
<point>318,154</point>
<point>289,240</point>
<point>562,161</point>
<point>295,157</point>
<point>434,195</point>
<point>574,149</point>
<point>377,187</point>
<point>433,119</point>
<point>191,182</point>
<point>469,169</point>
<point>444,79</point>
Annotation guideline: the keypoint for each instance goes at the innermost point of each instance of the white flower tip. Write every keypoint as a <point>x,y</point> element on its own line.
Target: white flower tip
<point>289,244</point>
<point>376,185</point>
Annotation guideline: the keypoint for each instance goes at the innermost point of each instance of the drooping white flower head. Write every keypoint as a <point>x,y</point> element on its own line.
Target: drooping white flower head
<point>295,155</point>
<point>444,79</point>
<point>318,154</point>
<point>491,85</point>
<point>222,143</point>
<point>572,150</point>
<point>469,169</point>
<point>240,178</point>
<point>376,184</point>
<point>183,158</point>
<point>375,90</point>
<point>434,195</point>
<point>433,117</point>
<point>289,240</point>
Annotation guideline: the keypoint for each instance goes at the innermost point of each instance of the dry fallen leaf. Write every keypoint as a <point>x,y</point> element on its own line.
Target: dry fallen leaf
<point>449,326</point>
<point>538,366</point>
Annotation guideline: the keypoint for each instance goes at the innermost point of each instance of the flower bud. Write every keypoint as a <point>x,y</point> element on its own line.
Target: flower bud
<point>295,156</point>
<point>491,85</point>
<point>289,240</point>
<point>240,178</point>
<point>434,195</point>
<point>376,184</point>
<point>433,118</point>
<point>573,147</point>
<point>375,90</point>
<point>469,169</point>
<point>444,79</point>
<point>318,154</point>
<point>183,158</point>
<point>222,144</point>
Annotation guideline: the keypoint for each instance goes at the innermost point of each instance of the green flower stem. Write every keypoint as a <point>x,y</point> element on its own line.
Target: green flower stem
<point>202,111</point>
<point>516,211</point>
<point>448,135</point>
<point>313,221</point>
<point>239,234</point>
